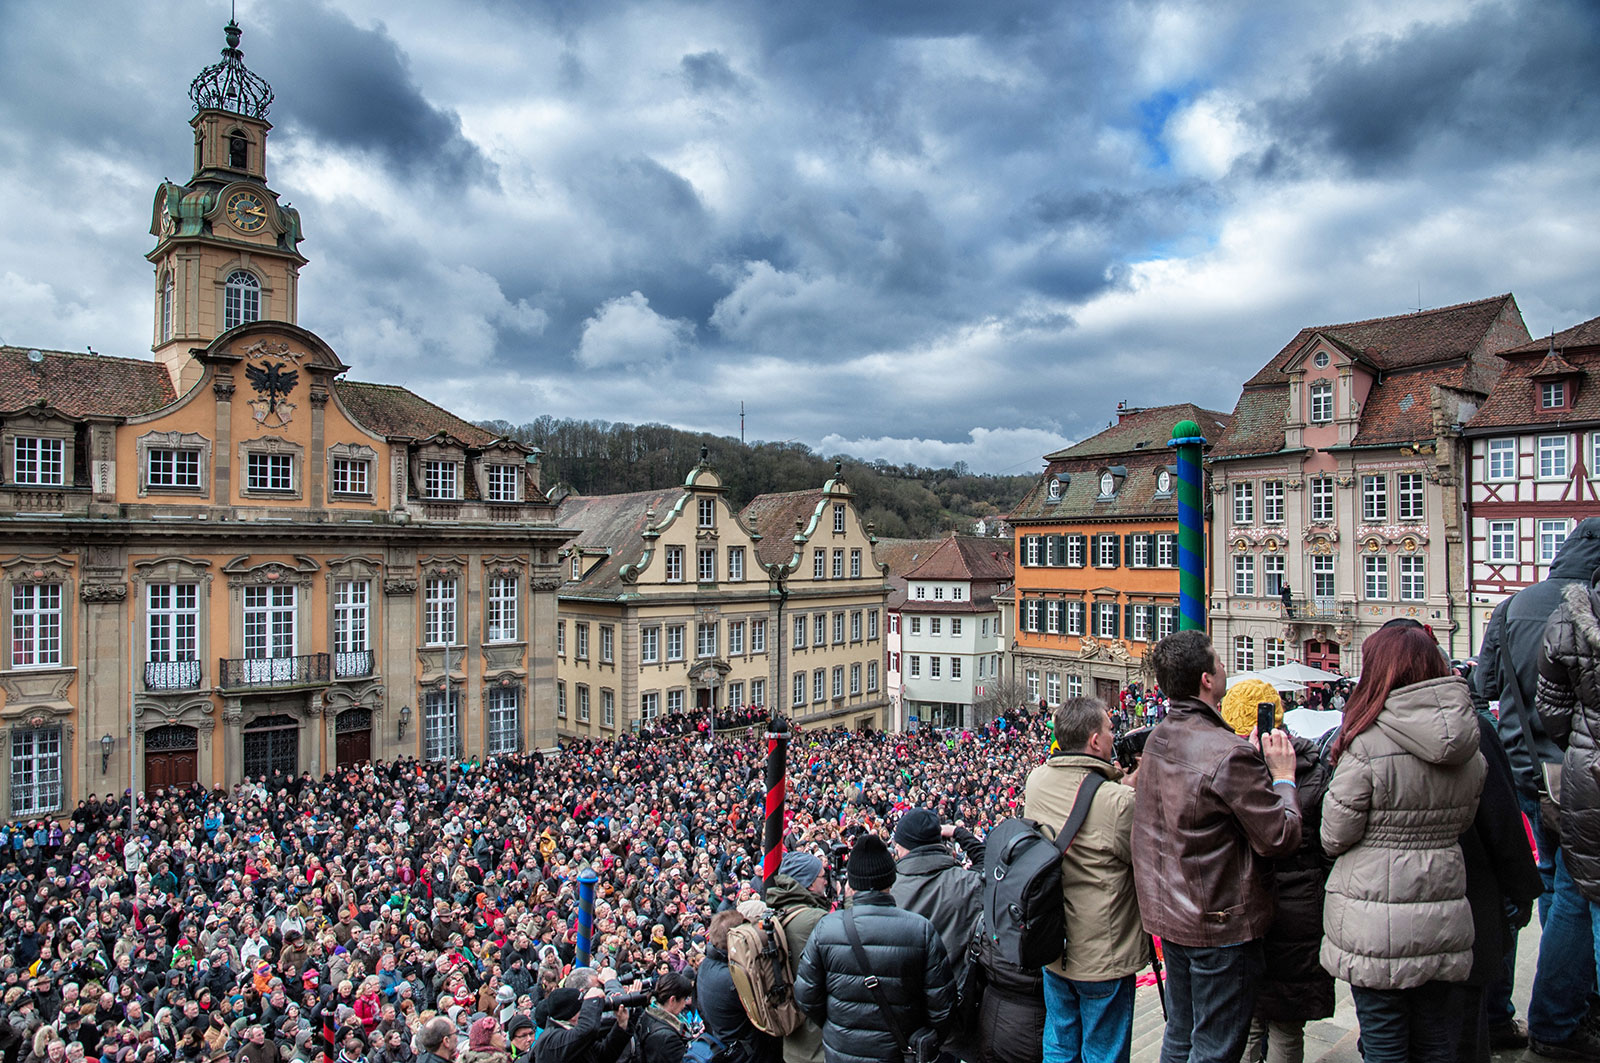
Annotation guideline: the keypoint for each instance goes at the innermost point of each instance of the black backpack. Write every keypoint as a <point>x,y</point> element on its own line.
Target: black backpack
<point>1022,907</point>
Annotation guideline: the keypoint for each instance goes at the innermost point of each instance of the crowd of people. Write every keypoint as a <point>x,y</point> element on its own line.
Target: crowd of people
<point>427,912</point>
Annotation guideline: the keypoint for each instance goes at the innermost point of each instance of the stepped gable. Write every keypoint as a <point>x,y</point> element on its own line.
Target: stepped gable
<point>774,516</point>
<point>611,525</point>
<point>82,385</point>
<point>398,413</point>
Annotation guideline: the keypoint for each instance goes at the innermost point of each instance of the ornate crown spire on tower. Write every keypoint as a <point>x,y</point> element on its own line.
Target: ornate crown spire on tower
<point>229,85</point>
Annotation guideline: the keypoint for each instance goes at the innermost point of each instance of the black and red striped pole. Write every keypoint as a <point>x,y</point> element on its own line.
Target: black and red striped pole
<point>777,769</point>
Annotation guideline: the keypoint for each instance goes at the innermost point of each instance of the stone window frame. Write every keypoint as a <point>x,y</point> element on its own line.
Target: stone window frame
<point>39,571</point>
<point>299,574</point>
<point>272,445</point>
<point>353,452</point>
<point>174,441</point>
<point>355,569</point>
<point>443,568</point>
<point>499,454</point>
<point>445,449</point>
<point>39,719</point>
<point>38,425</point>
<point>168,570</point>
<point>219,282</point>
<point>506,680</point>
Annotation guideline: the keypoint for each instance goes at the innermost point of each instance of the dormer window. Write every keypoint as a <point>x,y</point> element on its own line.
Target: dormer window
<point>1054,490</point>
<point>1321,402</point>
<point>1164,482</point>
<point>1553,395</point>
<point>439,480</point>
<point>1108,485</point>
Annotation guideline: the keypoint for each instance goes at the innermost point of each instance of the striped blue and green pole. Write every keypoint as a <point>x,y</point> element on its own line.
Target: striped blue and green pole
<point>586,881</point>
<point>1188,441</point>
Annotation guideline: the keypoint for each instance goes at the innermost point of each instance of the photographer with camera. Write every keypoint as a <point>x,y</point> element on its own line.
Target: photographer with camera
<point>873,975</point>
<point>579,1030</point>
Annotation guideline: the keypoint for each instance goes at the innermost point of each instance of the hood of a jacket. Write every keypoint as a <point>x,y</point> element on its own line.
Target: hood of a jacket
<point>1432,720</point>
<point>784,892</point>
<point>1579,556</point>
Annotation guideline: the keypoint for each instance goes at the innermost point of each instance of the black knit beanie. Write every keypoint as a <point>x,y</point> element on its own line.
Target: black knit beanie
<point>870,867</point>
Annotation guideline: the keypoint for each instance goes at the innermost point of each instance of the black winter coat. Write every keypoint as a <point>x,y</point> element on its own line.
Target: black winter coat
<point>1569,705</point>
<point>1296,987</point>
<point>659,1040</point>
<point>717,1001</point>
<point>1508,660</point>
<point>587,1040</point>
<point>1500,865</point>
<point>905,953</point>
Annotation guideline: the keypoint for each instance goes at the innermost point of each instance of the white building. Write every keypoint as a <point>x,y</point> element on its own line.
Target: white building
<point>952,631</point>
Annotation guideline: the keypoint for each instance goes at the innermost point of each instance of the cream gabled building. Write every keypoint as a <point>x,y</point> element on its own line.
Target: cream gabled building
<point>675,603</point>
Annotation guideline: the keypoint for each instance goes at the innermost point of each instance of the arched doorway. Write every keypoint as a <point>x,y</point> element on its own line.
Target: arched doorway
<point>352,737</point>
<point>171,757</point>
<point>1322,654</point>
<point>272,744</point>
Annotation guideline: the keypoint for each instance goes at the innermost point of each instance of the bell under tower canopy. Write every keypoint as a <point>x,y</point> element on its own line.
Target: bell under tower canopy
<point>229,85</point>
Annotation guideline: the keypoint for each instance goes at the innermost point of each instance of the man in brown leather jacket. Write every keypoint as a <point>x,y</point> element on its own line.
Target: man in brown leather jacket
<point>1211,810</point>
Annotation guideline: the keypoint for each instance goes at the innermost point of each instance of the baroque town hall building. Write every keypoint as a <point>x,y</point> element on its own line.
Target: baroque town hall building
<point>234,558</point>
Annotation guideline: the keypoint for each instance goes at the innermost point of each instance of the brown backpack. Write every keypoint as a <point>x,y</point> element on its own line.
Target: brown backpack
<point>758,961</point>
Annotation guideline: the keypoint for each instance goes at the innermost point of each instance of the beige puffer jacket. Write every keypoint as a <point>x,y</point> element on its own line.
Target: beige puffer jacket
<point>1396,915</point>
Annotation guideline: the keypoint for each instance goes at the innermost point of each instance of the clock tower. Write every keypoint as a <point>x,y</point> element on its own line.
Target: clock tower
<point>227,251</point>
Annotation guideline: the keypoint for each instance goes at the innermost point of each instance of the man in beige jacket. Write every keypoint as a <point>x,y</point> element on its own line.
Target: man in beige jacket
<point>1089,991</point>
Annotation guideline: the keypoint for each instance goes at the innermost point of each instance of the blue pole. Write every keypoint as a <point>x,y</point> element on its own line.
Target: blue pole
<point>1188,442</point>
<point>586,881</point>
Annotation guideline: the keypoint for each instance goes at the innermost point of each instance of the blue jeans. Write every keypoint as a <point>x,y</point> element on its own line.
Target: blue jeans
<point>1565,975</point>
<point>1211,994</point>
<point>1421,1025</point>
<point>1088,1021</point>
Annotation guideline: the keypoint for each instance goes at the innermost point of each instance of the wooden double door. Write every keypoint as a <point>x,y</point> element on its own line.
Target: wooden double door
<point>171,757</point>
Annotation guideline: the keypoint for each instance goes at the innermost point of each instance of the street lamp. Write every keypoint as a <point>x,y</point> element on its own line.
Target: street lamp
<point>405,718</point>
<point>107,743</point>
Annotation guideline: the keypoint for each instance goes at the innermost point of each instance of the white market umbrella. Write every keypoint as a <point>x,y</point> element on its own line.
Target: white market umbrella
<point>1296,672</point>
<point>1275,682</point>
<point>1311,723</point>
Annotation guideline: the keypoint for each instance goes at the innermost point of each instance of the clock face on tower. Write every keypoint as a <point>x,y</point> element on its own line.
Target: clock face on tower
<point>247,211</point>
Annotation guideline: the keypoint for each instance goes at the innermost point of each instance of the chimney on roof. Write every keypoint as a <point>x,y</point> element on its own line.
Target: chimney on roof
<point>1124,410</point>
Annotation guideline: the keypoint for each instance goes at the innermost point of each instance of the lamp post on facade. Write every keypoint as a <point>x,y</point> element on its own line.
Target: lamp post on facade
<point>405,718</point>
<point>107,744</point>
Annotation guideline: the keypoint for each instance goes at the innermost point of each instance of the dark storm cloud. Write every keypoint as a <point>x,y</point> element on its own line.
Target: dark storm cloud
<point>349,87</point>
<point>710,72</point>
<point>1506,79</point>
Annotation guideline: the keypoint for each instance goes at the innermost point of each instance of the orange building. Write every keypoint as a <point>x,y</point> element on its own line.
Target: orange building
<point>1097,557</point>
<point>228,560</point>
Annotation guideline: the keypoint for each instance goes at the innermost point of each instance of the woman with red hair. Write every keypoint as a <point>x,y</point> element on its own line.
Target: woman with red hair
<point>1407,775</point>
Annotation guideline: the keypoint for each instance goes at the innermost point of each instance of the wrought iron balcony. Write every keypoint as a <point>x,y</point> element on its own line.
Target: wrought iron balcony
<point>1318,609</point>
<point>353,664</point>
<point>171,675</point>
<point>265,673</point>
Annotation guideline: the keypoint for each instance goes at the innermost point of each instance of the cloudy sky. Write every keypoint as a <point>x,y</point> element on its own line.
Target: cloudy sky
<point>922,230</point>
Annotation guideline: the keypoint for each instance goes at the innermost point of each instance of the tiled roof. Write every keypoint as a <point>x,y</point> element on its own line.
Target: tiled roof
<point>1514,401</point>
<point>775,515</point>
<point>1552,364</point>
<point>967,557</point>
<point>1584,334</point>
<point>1136,497</point>
<point>614,523</point>
<point>1397,342</point>
<point>902,555</point>
<point>1407,351</point>
<point>1145,429</point>
<point>393,411</point>
<point>1257,425</point>
<point>83,385</point>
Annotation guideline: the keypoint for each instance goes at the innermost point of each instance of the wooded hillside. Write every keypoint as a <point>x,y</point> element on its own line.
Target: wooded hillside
<point>902,501</point>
